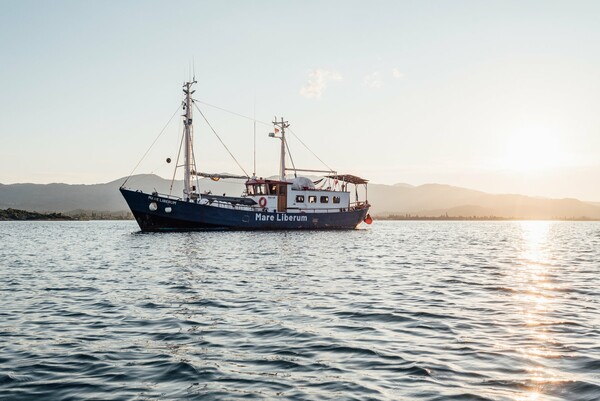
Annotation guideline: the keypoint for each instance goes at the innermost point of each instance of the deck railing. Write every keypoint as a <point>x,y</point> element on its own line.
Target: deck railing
<point>227,205</point>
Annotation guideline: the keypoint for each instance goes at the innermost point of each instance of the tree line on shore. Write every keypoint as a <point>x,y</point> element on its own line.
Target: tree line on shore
<point>85,215</point>
<point>25,215</point>
<point>446,217</point>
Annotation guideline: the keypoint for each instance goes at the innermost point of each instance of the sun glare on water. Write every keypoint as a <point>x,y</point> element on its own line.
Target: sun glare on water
<point>534,289</point>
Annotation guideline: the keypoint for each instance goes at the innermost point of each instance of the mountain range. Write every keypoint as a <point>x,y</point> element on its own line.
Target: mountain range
<point>401,199</point>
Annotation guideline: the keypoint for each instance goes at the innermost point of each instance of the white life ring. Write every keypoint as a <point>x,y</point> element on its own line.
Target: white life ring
<point>262,202</point>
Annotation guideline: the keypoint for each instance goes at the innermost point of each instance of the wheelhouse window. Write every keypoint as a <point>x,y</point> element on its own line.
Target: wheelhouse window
<point>324,199</point>
<point>250,190</point>
<point>336,199</point>
<point>312,199</point>
<point>300,198</point>
<point>260,189</point>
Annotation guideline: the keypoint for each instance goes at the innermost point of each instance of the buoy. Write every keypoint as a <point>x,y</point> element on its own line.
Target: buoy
<point>153,206</point>
<point>368,219</point>
<point>168,209</point>
<point>168,160</point>
<point>262,202</point>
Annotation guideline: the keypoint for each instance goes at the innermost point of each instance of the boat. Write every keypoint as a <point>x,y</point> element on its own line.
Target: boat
<point>281,203</point>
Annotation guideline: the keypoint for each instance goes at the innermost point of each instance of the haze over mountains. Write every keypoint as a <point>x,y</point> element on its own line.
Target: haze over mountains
<point>438,200</point>
<point>424,200</point>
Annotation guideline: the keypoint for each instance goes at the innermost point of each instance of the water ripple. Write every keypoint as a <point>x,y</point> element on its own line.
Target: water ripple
<point>403,310</point>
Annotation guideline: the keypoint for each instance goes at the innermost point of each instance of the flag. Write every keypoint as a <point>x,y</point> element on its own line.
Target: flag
<point>276,130</point>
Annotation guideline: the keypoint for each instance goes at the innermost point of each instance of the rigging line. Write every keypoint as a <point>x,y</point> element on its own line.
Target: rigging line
<point>254,147</point>
<point>156,139</point>
<point>306,146</point>
<point>194,163</point>
<point>220,140</point>
<point>233,112</point>
<point>291,159</point>
<point>158,167</point>
<point>176,164</point>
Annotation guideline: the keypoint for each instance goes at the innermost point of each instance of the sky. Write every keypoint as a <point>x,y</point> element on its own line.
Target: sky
<point>498,96</point>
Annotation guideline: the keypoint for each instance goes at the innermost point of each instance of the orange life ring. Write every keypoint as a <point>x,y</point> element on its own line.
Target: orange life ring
<point>262,202</point>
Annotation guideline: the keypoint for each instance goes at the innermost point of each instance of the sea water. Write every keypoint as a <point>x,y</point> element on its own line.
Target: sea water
<point>396,311</point>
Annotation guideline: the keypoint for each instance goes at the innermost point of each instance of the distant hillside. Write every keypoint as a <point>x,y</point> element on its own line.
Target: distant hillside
<point>400,199</point>
<point>96,197</point>
<point>437,200</point>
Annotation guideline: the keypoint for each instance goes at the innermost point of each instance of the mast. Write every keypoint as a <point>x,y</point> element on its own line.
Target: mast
<point>283,125</point>
<point>254,158</point>
<point>188,157</point>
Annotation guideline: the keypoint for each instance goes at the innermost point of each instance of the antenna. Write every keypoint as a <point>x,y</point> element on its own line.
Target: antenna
<point>254,121</point>
<point>194,67</point>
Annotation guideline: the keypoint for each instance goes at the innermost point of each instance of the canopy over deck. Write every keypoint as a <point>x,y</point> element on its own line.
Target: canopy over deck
<point>351,179</point>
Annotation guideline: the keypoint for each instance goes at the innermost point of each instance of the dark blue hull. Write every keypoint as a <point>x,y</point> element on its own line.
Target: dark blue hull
<point>178,215</point>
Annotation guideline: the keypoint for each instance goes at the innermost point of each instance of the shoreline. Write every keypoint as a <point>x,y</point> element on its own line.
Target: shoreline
<point>11,214</point>
<point>478,218</point>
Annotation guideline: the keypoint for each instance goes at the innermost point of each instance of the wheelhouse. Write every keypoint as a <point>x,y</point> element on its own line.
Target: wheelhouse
<point>264,187</point>
<point>301,195</point>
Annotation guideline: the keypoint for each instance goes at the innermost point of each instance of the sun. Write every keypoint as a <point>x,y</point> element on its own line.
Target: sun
<point>533,149</point>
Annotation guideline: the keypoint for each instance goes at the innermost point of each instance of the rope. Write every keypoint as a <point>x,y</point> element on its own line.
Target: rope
<point>220,140</point>
<point>176,164</point>
<point>156,139</point>
<point>306,146</point>
<point>233,112</point>
<point>291,159</point>
<point>194,163</point>
<point>264,123</point>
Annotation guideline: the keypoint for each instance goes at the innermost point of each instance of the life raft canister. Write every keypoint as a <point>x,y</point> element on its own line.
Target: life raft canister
<point>262,202</point>
<point>368,219</point>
